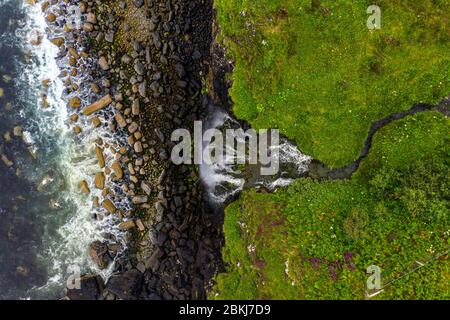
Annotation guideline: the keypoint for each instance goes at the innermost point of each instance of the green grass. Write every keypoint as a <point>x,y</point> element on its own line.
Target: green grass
<point>319,75</point>
<point>390,214</point>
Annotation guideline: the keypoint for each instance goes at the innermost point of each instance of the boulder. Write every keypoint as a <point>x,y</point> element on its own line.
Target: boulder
<point>85,187</point>
<point>75,102</point>
<point>138,147</point>
<point>99,180</point>
<point>98,252</point>
<point>91,288</point>
<point>100,157</point>
<point>109,206</point>
<point>117,170</point>
<point>127,225</point>
<point>98,105</point>
<point>120,120</point>
<point>139,199</point>
<point>103,63</point>
<point>88,27</point>
<point>126,285</point>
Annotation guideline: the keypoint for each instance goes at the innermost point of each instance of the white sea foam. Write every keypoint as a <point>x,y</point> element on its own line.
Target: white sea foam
<point>76,159</point>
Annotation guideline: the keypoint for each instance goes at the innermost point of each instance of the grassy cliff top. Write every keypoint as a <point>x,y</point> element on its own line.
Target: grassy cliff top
<point>315,71</point>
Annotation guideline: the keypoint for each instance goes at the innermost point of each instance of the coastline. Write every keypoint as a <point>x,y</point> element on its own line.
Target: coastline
<point>139,90</point>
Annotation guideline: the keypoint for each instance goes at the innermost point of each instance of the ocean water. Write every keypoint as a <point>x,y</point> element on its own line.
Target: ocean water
<point>46,223</point>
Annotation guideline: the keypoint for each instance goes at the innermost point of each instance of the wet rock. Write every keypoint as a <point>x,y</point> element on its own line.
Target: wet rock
<point>90,289</point>
<point>125,286</point>
<point>98,105</point>
<point>127,225</point>
<point>117,169</point>
<point>17,131</point>
<point>51,17</point>
<point>58,41</point>
<point>74,117</point>
<point>75,102</point>
<point>139,199</point>
<point>22,271</point>
<point>98,252</point>
<point>77,129</point>
<point>120,120</point>
<point>99,180</point>
<point>85,187</point>
<point>96,122</point>
<point>109,206</point>
<point>100,157</point>
<point>74,53</point>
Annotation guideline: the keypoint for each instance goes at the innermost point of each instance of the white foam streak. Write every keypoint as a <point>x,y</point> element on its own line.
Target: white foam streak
<point>76,154</point>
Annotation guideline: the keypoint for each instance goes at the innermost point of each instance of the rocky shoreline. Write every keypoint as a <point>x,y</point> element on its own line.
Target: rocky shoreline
<point>148,62</point>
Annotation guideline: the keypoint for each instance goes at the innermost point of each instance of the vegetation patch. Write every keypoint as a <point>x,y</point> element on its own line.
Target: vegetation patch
<point>315,71</point>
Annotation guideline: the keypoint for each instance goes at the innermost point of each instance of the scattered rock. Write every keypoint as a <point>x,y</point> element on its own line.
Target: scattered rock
<point>96,122</point>
<point>98,252</point>
<point>140,225</point>
<point>85,187</point>
<point>138,147</point>
<point>146,188</point>
<point>117,170</point>
<point>139,199</point>
<point>127,225</point>
<point>75,102</point>
<point>135,107</point>
<point>90,288</point>
<point>120,120</point>
<point>103,63</point>
<point>138,3</point>
<point>125,285</point>
<point>109,206</point>
<point>98,105</point>
<point>51,17</point>
<point>99,180</point>
<point>100,157</point>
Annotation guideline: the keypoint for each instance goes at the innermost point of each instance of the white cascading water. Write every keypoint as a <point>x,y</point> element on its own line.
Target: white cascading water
<point>223,180</point>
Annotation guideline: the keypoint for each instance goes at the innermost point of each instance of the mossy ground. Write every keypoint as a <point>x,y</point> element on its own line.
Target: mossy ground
<point>314,70</point>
